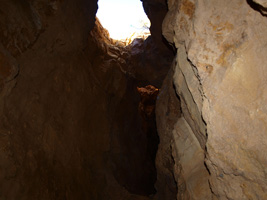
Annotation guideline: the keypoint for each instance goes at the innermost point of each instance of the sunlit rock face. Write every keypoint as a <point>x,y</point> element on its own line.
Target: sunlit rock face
<point>219,143</point>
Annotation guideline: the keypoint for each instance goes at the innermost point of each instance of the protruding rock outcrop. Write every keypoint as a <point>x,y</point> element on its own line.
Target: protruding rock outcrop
<point>220,78</point>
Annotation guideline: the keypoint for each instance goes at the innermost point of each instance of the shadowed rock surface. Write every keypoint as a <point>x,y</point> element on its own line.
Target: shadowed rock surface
<point>78,118</point>
<point>70,127</point>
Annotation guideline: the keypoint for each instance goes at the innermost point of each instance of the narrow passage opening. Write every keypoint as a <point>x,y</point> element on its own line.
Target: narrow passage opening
<point>125,20</point>
<point>146,108</point>
<point>134,137</point>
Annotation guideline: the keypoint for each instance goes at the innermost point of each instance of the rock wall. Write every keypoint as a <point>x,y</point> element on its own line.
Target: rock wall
<point>219,143</point>
<point>167,113</point>
<point>69,121</point>
<point>65,90</point>
<point>156,10</point>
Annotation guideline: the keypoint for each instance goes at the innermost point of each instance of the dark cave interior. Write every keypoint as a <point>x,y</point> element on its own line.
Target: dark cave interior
<point>81,114</point>
<point>178,115</point>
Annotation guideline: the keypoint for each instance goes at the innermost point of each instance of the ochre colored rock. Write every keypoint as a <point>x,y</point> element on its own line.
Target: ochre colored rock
<point>148,96</point>
<point>220,77</point>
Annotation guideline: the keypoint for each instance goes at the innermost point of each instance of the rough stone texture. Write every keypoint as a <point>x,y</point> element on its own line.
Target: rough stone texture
<point>259,5</point>
<point>167,114</point>
<point>261,2</point>
<point>8,71</point>
<point>220,77</point>
<point>148,64</point>
<point>188,156</point>
<point>22,22</point>
<point>69,121</point>
<point>20,25</point>
<point>190,92</point>
<point>156,11</point>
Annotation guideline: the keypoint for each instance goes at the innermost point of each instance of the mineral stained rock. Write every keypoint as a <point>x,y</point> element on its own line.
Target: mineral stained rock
<point>220,78</point>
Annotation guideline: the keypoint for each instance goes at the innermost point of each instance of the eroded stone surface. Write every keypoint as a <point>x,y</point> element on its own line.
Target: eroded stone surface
<point>167,113</point>
<point>8,71</point>
<point>62,87</point>
<point>261,2</point>
<point>224,73</point>
<point>156,11</point>
<point>188,156</point>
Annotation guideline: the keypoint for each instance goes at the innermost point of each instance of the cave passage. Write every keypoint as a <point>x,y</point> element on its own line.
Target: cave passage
<point>134,138</point>
<point>78,109</point>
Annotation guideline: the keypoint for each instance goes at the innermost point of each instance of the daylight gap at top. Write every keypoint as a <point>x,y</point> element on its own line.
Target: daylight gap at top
<point>124,19</point>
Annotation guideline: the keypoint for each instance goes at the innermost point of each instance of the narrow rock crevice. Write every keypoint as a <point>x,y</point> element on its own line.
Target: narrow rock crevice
<point>259,5</point>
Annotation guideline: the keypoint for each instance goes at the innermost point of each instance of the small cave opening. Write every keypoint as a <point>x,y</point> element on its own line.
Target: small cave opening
<point>124,20</point>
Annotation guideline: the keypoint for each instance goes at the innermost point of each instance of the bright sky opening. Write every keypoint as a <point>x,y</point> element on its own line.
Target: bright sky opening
<point>123,18</point>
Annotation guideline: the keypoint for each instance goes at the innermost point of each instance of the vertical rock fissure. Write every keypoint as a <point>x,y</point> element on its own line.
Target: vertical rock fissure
<point>219,75</point>
<point>133,139</point>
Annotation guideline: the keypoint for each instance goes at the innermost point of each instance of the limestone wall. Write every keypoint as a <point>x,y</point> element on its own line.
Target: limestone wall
<point>220,77</point>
